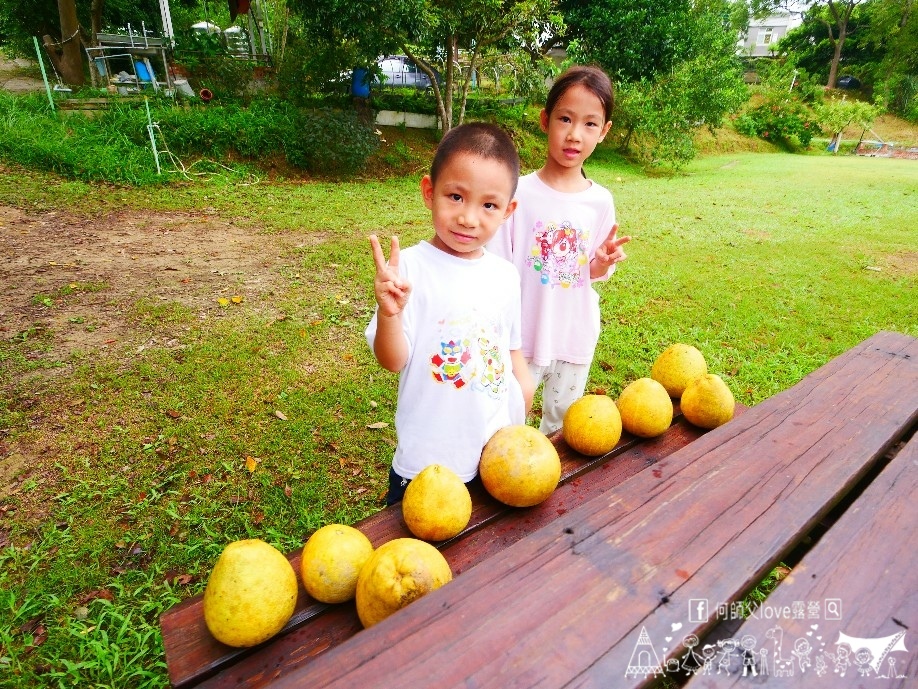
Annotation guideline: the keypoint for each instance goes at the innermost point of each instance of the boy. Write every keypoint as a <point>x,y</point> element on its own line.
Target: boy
<point>448,313</point>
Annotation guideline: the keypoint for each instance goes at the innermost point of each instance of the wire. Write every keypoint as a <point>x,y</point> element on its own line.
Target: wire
<point>186,171</point>
<point>66,40</point>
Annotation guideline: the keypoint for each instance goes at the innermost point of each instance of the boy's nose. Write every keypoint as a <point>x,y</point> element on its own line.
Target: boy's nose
<point>468,219</point>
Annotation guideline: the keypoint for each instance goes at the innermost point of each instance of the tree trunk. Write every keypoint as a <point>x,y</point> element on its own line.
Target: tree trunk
<point>96,18</point>
<point>841,13</point>
<point>70,57</point>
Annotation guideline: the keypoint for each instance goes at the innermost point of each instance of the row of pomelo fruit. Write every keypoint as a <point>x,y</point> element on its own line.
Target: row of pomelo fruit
<point>251,593</point>
<point>594,423</point>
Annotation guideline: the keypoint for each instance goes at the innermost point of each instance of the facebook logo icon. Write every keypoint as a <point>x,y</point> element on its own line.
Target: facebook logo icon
<point>698,609</point>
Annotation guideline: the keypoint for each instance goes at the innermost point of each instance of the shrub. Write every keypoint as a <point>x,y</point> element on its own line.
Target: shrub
<point>115,146</point>
<point>784,121</point>
<point>330,142</point>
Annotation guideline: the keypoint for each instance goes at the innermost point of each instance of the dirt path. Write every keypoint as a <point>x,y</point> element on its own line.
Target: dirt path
<point>72,283</point>
<point>20,75</point>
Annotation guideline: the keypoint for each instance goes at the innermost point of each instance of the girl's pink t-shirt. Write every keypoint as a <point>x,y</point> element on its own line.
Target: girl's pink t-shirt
<point>550,239</point>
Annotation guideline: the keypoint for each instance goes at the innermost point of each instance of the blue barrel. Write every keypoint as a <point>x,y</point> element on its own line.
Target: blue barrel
<point>360,83</point>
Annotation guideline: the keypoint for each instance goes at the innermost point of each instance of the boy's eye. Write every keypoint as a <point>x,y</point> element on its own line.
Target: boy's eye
<point>490,206</point>
<point>455,197</point>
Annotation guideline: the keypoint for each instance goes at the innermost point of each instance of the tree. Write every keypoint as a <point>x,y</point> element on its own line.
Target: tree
<point>432,33</point>
<point>810,46</point>
<point>674,63</point>
<point>836,19</point>
<point>834,116</point>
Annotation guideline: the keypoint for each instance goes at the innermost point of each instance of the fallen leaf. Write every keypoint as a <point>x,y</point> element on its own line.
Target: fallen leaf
<point>251,463</point>
<point>361,490</point>
<point>258,518</point>
<point>288,491</point>
<point>279,414</point>
<point>173,414</point>
<point>95,594</point>
<point>236,299</point>
<point>377,425</point>
<point>223,301</point>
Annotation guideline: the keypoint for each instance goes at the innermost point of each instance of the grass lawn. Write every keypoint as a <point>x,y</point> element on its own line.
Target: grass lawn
<point>135,465</point>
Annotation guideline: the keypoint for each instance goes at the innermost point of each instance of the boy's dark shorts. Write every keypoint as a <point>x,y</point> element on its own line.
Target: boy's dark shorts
<point>398,484</point>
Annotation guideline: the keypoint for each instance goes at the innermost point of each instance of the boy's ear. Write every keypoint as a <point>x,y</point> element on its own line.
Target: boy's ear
<point>543,120</point>
<point>510,208</point>
<point>427,190</point>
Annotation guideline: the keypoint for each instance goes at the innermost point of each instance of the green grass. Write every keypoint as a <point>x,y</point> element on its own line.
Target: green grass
<point>137,475</point>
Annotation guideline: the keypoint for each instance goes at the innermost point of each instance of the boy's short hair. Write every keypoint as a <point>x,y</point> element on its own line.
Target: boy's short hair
<point>479,139</point>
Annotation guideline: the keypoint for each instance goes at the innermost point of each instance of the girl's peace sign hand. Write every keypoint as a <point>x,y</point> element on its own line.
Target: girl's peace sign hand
<point>611,251</point>
<point>391,290</point>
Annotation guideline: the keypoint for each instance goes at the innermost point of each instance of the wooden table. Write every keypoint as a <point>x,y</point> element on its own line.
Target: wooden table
<point>629,571</point>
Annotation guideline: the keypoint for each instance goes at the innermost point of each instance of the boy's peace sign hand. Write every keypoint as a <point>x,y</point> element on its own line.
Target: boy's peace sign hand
<point>610,251</point>
<point>391,290</point>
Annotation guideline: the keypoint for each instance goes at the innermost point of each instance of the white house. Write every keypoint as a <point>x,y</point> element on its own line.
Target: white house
<point>764,33</point>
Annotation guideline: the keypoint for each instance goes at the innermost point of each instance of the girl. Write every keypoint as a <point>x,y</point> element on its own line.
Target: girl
<point>561,239</point>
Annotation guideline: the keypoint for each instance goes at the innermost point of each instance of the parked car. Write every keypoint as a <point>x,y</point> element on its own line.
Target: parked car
<point>847,82</point>
<point>400,70</point>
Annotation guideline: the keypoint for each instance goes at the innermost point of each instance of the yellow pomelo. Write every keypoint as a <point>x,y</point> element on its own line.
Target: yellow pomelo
<point>399,572</point>
<point>331,560</point>
<point>250,594</point>
<point>520,466</point>
<point>437,504</point>
<point>707,402</point>
<point>677,366</point>
<point>646,409</point>
<point>592,425</point>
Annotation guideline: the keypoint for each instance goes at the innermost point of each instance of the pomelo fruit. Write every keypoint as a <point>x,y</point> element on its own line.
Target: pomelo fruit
<point>707,402</point>
<point>520,466</point>
<point>399,572</point>
<point>592,425</point>
<point>250,594</point>
<point>646,409</point>
<point>677,366</point>
<point>331,560</point>
<point>437,504</point>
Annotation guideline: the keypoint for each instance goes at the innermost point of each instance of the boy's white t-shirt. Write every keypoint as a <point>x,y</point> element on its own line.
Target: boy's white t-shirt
<point>457,389</point>
<point>551,238</point>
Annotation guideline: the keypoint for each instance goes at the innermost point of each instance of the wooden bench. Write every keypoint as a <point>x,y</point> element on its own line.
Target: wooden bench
<point>629,576</point>
<point>195,658</point>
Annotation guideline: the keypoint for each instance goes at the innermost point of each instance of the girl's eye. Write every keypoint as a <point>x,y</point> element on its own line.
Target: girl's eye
<point>565,118</point>
<point>455,197</point>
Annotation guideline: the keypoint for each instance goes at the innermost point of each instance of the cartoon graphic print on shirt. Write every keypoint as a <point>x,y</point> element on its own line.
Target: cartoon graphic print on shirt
<point>558,253</point>
<point>448,364</point>
<point>472,358</point>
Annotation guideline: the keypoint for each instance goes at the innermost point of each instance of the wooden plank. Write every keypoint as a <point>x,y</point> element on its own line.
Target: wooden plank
<point>340,622</point>
<point>860,580</point>
<point>567,604</point>
<point>192,654</point>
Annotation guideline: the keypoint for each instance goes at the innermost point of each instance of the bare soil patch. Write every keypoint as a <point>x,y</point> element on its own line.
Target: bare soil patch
<point>72,283</point>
